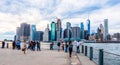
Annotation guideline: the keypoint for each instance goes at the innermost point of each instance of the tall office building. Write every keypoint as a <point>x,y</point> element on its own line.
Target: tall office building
<point>25,32</point>
<point>38,35</point>
<point>75,33</point>
<point>46,34</point>
<point>32,32</point>
<point>53,31</point>
<point>88,26</point>
<point>59,29</point>
<point>67,34</point>
<point>82,30</point>
<point>18,33</point>
<point>105,28</point>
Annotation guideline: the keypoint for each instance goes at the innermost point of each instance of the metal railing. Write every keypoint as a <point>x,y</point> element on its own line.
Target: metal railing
<point>100,57</point>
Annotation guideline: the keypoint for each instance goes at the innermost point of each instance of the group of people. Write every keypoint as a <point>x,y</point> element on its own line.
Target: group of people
<point>31,45</point>
<point>67,47</point>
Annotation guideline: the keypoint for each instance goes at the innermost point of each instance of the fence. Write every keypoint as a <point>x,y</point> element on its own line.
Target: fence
<point>100,57</point>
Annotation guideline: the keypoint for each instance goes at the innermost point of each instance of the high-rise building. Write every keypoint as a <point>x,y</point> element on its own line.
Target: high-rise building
<point>105,28</point>
<point>82,30</point>
<point>38,35</point>
<point>25,32</point>
<point>88,27</point>
<point>67,34</point>
<point>46,34</point>
<point>18,33</point>
<point>75,33</point>
<point>53,31</point>
<point>59,29</point>
<point>32,32</point>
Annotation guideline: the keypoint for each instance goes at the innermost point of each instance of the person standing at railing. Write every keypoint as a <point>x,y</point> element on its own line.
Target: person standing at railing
<point>51,46</point>
<point>13,45</point>
<point>38,46</point>
<point>70,48</point>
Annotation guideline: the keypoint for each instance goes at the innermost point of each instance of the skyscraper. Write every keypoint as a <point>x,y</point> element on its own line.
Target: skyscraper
<point>38,35</point>
<point>18,33</point>
<point>46,34</point>
<point>67,34</point>
<point>75,33</point>
<point>53,31</point>
<point>32,32</point>
<point>105,28</point>
<point>59,29</point>
<point>82,30</point>
<point>25,32</point>
<point>88,26</point>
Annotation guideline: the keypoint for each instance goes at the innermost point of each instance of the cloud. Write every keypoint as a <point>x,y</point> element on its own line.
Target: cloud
<point>43,12</point>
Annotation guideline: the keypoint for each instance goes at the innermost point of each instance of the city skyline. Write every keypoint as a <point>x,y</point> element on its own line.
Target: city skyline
<point>13,13</point>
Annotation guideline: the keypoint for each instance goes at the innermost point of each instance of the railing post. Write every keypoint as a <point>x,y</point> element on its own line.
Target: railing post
<point>91,53</point>
<point>100,56</point>
<point>85,50</point>
<point>82,48</point>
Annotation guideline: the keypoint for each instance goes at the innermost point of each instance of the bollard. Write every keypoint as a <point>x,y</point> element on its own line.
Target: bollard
<point>91,53</point>
<point>85,50</point>
<point>82,48</point>
<point>100,56</point>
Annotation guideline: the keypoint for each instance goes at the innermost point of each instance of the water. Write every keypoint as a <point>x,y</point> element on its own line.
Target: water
<point>109,59</point>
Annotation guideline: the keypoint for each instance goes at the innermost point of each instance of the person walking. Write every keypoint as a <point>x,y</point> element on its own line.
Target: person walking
<point>66,47</point>
<point>38,46</point>
<point>58,46</point>
<point>78,47</point>
<point>24,47</point>
<point>70,48</point>
<point>62,46</point>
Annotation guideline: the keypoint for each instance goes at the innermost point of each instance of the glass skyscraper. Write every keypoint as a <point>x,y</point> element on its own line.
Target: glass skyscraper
<point>53,31</point>
<point>82,30</point>
<point>88,27</point>
<point>105,28</point>
<point>32,32</point>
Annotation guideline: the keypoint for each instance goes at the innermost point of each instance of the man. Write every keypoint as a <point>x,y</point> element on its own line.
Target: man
<point>70,48</point>
<point>78,45</point>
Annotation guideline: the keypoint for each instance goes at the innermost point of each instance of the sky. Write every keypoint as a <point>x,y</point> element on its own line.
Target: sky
<point>43,12</point>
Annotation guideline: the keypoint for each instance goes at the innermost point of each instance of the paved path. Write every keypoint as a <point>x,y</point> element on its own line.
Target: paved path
<point>85,60</point>
<point>44,57</point>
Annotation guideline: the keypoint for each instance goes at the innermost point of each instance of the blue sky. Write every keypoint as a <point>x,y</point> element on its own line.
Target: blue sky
<point>42,12</point>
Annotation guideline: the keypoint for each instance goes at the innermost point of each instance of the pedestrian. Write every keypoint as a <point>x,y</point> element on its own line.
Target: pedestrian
<point>70,48</point>
<point>24,47</point>
<point>38,46</point>
<point>51,46</point>
<point>66,47</point>
<point>7,45</point>
<point>13,45</point>
<point>18,45</point>
<point>58,46</point>
<point>78,47</point>
<point>3,44</point>
<point>62,46</point>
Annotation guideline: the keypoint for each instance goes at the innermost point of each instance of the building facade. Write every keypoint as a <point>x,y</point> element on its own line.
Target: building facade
<point>53,31</point>
<point>105,28</point>
<point>82,30</point>
<point>46,34</point>
<point>32,32</point>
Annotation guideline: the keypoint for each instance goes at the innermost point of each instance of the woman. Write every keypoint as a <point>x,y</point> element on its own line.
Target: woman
<point>24,47</point>
<point>70,48</point>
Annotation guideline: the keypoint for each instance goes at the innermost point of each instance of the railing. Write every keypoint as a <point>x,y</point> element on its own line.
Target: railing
<point>100,57</point>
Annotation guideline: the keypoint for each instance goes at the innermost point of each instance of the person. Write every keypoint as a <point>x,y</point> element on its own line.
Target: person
<point>70,48</point>
<point>66,47</point>
<point>77,47</point>
<point>58,46</point>
<point>38,46</point>
<point>18,45</point>
<point>51,46</point>
<point>24,48</point>
<point>3,44</point>
<point>62,46</point>
<point>7,45</point>
<point>13,45</point>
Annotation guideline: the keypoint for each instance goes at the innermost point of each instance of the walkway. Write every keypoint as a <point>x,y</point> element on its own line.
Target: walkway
<point>44,57</point>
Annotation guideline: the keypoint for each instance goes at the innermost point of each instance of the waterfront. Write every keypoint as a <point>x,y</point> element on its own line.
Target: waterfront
<point>111,52</point>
